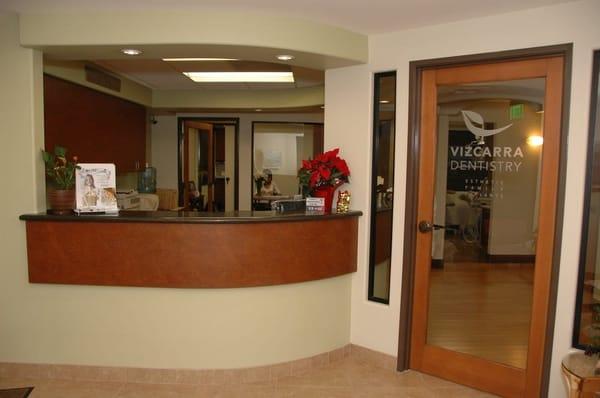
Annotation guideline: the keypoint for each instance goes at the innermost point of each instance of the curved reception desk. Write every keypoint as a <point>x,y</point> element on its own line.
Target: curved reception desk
<point>176,290</point>
<point>190,249</point>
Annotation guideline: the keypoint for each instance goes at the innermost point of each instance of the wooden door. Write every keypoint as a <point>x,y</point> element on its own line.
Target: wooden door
<point>481,319</point>
<point>198,162</point>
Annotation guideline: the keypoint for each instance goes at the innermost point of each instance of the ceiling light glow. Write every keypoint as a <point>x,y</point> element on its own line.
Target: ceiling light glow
<point>285,57</point>
<point>241,77</point>
<point>131,51</point>
<point>384,102</point>
<point>198,59</point>
<point>535,140</point>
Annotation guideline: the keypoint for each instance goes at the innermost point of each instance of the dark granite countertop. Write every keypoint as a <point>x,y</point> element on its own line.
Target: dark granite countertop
<point>234,217</point>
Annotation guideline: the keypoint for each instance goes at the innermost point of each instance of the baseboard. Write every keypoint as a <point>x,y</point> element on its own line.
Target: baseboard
<point>373,358</point>
<point>213,377</point>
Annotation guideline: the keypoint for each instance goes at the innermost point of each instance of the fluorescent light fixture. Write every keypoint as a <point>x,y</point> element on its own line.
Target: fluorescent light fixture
<point>285,57</point>
<point>535,140</point>
<point>241,77</point>
<point>384,102</point>
<point>131,51</point>
<point>198,59</point>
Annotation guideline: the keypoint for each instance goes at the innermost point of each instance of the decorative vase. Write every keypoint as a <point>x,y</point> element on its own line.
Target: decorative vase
<point>325,192</point>
<point>61,201</point>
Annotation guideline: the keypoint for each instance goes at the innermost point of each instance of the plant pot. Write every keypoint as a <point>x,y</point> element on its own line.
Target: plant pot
<point>325,192</point>
<point>61,201</point>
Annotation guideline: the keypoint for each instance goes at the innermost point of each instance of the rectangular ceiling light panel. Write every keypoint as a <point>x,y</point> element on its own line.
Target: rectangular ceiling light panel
<point>241,77</point>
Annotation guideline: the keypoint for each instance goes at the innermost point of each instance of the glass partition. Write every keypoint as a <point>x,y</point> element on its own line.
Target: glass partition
<point>587,312</point>
<point>382,186</point>
<point>278,151</point>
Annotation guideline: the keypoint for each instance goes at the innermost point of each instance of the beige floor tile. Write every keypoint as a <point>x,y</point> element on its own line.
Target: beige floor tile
<point>76,389</point>
<point>143,390</point>
<point>247,391</point>
<point>16,383</point>
<point>348,377</point>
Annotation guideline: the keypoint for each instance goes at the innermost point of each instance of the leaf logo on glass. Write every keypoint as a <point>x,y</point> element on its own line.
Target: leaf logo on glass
<point>479,132</point>
<point>477,157</point>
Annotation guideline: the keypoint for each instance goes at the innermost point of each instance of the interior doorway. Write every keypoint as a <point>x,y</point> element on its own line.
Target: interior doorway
<point>484,216</point>
<point>208,164</point>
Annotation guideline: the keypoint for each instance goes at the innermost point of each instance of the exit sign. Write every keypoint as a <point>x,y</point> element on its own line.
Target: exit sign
<point>517,111</point>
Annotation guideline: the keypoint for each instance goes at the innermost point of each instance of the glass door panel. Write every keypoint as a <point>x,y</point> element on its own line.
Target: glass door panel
<point>485,218</point>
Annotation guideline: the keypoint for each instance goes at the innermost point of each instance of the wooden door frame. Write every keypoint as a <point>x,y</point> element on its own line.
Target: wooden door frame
<point>412,178</point>
<point>180,155</point>
<point>199,128</point>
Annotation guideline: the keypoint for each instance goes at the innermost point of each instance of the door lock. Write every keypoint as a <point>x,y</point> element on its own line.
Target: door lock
<point>426,226</point>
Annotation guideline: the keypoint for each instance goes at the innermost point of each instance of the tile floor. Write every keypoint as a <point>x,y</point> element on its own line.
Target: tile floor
<point>348,377</point>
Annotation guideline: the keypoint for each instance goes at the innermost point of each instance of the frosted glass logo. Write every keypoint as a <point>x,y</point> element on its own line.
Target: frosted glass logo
<point>479,132</point>
<point>477,156</point>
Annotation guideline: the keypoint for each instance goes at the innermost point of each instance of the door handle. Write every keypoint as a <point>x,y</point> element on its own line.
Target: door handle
<point>426,226</point>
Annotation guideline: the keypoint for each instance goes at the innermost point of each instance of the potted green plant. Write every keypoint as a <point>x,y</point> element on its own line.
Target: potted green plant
<point>60,174</point>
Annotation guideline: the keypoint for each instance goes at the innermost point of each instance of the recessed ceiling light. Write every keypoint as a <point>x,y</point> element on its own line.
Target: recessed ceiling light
<point>241,77</point>
<point>384,102</point>
<point>285,57</point>
<point>131,51</point>
<point>535,140</point>
<point>198,59</point>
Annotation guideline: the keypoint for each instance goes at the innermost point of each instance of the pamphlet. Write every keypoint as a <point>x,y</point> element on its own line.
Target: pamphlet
<point>96,188</point>
<point>315,205</point>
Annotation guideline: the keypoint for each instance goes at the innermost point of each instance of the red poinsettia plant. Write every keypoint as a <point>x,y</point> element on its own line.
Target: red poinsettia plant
<point>326,169</point>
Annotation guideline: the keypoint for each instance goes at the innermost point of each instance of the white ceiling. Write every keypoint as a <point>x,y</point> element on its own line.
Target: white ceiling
<point>161,75</point>
<point>364,16</point>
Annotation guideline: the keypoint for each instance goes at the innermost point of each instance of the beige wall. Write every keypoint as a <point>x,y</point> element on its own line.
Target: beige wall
<point>230,168</point>
<point>245,99</point>
<point>512,218</point>
<point>146,327</point>
<point>164,151</point>
<point>348,117</point>
<point>249,35</point>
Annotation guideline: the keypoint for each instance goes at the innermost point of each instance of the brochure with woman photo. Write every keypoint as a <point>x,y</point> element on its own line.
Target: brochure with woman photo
<point>96,188</point>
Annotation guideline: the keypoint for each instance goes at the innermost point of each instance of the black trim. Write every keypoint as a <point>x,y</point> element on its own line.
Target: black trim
<point>586,201</point>
<point>374,154</point>
<point>188,217</point>
<point>226,121</point>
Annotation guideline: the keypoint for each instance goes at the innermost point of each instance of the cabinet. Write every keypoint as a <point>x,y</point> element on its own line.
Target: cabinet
<point>96,127</point>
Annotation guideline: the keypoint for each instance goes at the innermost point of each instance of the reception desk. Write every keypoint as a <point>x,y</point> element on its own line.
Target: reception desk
<point>190,249</point>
